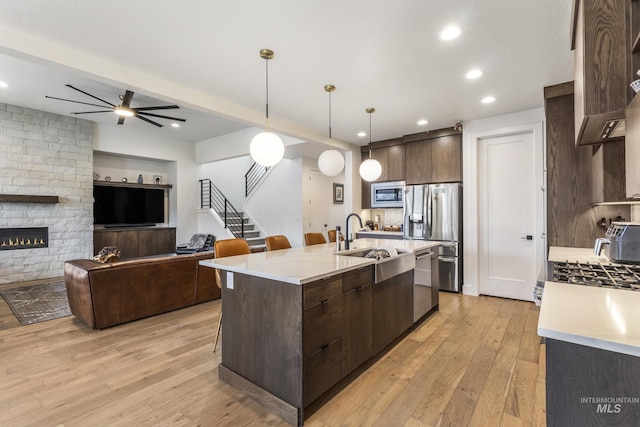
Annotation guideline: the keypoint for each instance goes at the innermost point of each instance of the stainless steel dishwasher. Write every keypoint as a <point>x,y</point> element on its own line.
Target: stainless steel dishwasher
<point>425,283</point>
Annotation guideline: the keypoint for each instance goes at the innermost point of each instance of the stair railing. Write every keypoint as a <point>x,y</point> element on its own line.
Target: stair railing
<point>212,198</point>
<point>253,177</point>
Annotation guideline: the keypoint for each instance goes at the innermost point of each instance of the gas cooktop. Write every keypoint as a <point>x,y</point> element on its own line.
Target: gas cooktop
<point>617,276</point>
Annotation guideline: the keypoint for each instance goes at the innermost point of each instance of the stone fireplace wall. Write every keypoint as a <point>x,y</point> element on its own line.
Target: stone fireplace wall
<point>49,155</point>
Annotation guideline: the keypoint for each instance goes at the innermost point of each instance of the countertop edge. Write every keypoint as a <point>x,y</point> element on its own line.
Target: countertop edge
<point>285,279</point>
<point>590,316</point>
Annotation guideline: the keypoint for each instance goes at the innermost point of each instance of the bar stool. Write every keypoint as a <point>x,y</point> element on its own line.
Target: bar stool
<point>314,239</point>
<point>225,248</point>
<point>332,236</point>
<point>277,242</point>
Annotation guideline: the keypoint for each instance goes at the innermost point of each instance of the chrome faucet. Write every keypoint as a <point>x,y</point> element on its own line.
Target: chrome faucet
<point>346,228</point>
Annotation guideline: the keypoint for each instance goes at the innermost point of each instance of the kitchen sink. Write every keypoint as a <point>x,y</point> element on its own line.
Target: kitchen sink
<point>388,262</point>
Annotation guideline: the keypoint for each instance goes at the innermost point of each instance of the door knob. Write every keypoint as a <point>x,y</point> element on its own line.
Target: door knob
<point>527,237</point>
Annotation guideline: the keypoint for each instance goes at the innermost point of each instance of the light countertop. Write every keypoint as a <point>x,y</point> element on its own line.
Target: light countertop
<point>581,255</point>
<point>309,263</point>
<point>603,318</point>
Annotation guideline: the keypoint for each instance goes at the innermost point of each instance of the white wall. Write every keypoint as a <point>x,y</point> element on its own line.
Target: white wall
<point>228,176</point>
<point>276,208</point>
<point>531,120</point>
<point>182,172</point>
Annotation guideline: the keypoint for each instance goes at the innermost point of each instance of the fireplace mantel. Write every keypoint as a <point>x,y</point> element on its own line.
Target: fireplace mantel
<point>27,198</point>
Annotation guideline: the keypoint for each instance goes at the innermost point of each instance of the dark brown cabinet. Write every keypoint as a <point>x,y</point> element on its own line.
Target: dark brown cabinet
<point>608,173</point>
<point>357,318</point>
<point>134,243</point>
<point>392,309</point>
<point>390,154</point>
<point>600,42</point>
<point>434,160</point>
<point>424,158</point>
<point>322,336</point>
<point>632,149</point>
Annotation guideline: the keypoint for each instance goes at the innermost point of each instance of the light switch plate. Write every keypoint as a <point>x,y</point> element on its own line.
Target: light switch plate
<point>229,280</point>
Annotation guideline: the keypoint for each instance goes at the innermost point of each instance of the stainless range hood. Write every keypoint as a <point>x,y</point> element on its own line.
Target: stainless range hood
<point>600,128</point>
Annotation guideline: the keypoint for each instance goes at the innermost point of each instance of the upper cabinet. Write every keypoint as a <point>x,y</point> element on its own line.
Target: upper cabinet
<point>390,154</point>
<point>602,69</point>
<point>421,158</point>
<point>632,149</point>
<point>435,157</point>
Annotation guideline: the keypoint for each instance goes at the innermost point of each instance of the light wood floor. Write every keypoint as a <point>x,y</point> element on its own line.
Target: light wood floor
<point>477,362</point>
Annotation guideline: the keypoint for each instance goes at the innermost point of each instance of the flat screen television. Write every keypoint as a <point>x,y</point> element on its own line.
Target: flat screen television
<point>127,206</point>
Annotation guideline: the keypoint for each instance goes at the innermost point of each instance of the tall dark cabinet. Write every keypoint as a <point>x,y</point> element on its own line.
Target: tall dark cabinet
<point>572,220</point>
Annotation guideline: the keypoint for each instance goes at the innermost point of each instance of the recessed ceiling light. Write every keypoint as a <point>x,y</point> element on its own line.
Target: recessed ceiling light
<point>451,32</point>
<point>362,134</point>
<point>422,122</point>
<point>474,74</point>
<point>3,84</point>
<point>175,125</point>
<point>488,99</point>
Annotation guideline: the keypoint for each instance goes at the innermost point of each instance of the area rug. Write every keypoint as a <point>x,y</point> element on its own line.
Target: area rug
<point>38,303</point>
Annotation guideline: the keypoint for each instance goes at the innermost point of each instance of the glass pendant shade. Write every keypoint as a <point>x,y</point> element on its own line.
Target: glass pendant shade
<point>331,162</point>
<point>266,148</point>
<point>370,170</point>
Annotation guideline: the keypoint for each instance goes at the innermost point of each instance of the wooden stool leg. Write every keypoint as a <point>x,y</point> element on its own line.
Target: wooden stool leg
<point>215,343</point>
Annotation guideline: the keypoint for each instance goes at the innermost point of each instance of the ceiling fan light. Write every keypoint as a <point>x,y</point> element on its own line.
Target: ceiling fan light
<point>266,148</point>
<point>123,111</point>
<point>370,170</point>
<point>331,162</point>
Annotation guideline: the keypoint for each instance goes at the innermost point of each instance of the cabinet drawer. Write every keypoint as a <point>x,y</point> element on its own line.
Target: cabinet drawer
<point>322,324</point>
<point>322,370</point>
<point>322,290</point>
<point>357,278</point>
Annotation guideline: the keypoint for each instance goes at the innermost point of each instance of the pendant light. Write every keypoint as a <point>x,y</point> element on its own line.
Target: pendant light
<point>370,169</point>
<point>330,161</point>
<point>266,147</point>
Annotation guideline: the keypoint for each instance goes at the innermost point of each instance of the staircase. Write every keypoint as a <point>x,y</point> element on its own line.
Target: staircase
<point>241,227</point>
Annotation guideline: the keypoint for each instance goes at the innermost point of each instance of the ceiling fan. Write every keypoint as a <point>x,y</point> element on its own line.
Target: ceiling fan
<point>124,109</point>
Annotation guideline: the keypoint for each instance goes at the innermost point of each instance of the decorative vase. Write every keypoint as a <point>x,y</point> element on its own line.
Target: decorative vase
<point>140,180</point>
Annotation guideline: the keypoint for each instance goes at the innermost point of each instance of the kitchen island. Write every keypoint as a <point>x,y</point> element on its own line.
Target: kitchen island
<point>297,321</point>
<point>592,337</point>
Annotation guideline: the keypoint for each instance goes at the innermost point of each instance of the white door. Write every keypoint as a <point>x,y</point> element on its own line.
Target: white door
<point>507,216</point>
<point>317,204</point>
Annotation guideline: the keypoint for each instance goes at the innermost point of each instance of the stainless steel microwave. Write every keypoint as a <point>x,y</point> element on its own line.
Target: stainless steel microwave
<point>387,194</point>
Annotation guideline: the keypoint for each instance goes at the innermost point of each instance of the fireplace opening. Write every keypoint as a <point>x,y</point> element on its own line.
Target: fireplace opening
<point>24,238</point>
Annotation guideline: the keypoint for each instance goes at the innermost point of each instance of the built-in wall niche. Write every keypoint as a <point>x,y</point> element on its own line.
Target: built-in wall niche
<point>114,168</point>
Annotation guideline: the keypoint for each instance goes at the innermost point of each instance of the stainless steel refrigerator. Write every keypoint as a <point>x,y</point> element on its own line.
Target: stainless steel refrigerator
<point>434,212</point>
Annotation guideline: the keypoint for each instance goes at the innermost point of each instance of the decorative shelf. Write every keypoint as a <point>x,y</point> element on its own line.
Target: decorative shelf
<point>130,184</point>
<point>27,198</point>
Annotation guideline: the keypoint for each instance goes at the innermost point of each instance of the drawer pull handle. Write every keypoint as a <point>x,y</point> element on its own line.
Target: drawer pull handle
<point>359,288</point>
<point>324,347</point>
<point>325,301</point>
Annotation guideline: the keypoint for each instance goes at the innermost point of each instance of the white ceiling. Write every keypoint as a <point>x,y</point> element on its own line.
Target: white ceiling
<point>204,56</point>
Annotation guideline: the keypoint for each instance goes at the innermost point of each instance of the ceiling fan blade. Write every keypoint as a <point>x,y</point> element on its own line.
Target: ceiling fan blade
<point>158,107</point>
<point>126,99</point>
<point>162,117</point>
<point>77,102</point>
<point>88,94</point>
<point>121,120</point>
<point>91,112</point>
<point>149,121</point>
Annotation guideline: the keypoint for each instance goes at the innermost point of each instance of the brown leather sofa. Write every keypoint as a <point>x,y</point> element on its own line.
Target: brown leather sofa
<point>103,295</point>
